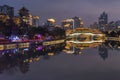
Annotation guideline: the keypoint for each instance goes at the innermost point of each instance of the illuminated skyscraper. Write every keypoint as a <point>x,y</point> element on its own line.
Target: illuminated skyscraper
<point>7,10</point>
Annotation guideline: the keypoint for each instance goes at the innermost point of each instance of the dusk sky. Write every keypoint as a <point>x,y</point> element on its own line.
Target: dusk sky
<point>88,10</point>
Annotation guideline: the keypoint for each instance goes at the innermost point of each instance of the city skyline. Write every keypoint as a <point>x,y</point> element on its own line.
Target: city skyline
<point>89,11</point>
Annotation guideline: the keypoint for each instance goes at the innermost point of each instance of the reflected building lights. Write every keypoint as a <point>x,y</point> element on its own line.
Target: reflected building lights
<point>26,53</point>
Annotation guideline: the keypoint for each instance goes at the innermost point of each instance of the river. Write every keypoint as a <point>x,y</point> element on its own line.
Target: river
<point>62,62</point>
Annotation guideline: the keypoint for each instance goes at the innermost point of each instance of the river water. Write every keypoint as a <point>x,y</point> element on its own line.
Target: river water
<point>100,62</point>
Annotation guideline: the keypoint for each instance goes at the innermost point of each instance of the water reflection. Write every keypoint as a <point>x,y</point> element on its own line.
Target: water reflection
<point>76,48</point>
<point>103,51</point>
<point>20,58</point>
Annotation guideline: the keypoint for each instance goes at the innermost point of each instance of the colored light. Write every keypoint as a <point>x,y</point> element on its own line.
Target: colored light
<point>39,48</point>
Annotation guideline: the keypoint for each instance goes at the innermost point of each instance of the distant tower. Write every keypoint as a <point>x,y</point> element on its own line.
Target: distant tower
<point>23,12</point>
<point>7,10</point>
<point>78,23</point>
<point>103,20</point>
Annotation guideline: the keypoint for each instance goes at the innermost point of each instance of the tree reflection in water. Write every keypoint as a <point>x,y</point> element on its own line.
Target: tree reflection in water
<point>10,61</point>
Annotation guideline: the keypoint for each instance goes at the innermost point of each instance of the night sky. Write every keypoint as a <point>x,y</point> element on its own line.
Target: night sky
<point>88,10</point>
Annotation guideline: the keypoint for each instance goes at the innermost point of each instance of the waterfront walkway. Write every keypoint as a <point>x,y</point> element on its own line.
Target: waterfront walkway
<point>8,46</point>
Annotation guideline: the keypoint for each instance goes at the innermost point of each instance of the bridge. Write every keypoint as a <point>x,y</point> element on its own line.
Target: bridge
<point>92,34</point>
<point>82,42</point>
<point>83,30</point>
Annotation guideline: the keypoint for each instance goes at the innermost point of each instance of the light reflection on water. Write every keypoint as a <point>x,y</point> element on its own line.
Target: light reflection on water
<point>62,61</point>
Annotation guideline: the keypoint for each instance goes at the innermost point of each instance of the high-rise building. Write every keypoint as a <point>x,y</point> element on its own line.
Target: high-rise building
<point>7,10</point>
<point>78,22</point>
<point>103,20</point>
<point>67,24</point>
<point>28,18</point>
<point>72,23</point>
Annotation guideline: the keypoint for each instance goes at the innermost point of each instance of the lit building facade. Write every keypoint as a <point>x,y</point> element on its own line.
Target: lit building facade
<point>68,24</point>
<point>4,18</point>
<point>50,22</point>
<point>72,23</point>
<point>28,18</point>
<point>16,20</point>
<point>35,20</point>
<point>7,10</point>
